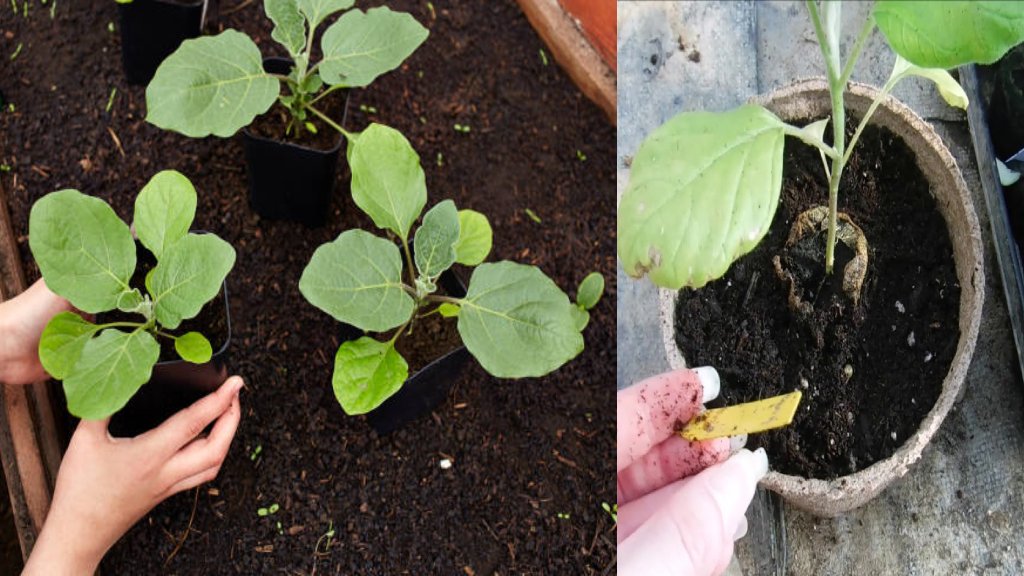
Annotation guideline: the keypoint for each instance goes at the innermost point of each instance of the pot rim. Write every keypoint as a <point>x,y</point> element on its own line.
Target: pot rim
<point>844,493</point>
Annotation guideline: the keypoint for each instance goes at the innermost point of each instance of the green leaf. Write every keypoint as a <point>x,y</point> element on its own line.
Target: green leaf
<point>949,88</point>
<point>62,341</point>
<point>366,373</point>
<point>164,211</point>
<point>112,367</point>
<point>950,34</point>
<point>435,239</point>
<point>361,46</point>
<point>189,275</point>
<point>357,279</point>
<point>289,25</point>
<point>517,322</point>
<point>85,252</point>
<point>448,310</point>
<point>194,347</point>
<point>590,290</point>
<point>211,85</point>
<point>702,192</point>
<point>387,180</point>
<point>316,10</point>
<point>475,238</point>
<point>581,317</point>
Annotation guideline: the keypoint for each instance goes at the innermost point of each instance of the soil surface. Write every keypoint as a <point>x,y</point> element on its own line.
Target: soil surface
<point>869,372</point>
<point>10,549</point>
<point>522,452</point>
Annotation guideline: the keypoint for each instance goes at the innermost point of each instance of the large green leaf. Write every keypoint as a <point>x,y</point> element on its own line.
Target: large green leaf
<point>289,25</point>
<point>316,10</point>
<point>475,238</point>
<point>366,373</point>
<point>62,341</point>
<point>361,46</point>
<point>211,85</point>
<point>702,192</point>
<point>435,239</point>
<point>387,179</point>
<point>164,211</point>
<point>85,252</point>
<point>357,279</point>
<point>950,33</point>
<point>949,88</point>
<point>188,276</point>
<point>112,367</point>
<point>517,322</point>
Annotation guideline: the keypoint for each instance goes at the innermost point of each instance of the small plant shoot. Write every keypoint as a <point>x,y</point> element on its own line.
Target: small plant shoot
<point>513,319</point>
<point>217,85</point>
<point>87,255</point>
<point>704,186</point>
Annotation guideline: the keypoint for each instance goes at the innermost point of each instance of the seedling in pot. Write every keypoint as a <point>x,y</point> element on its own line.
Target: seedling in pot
<point>88,256</point>
<point>704,186</point>
<point>217,84</point>
<point>513,318</point>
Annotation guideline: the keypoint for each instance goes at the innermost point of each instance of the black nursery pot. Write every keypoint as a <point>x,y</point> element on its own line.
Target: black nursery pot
<point>428,387</point>
<point>288,181</point>
<point>153,29</point>
<point>173,386</point>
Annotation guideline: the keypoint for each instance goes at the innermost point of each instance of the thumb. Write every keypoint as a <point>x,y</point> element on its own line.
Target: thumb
<point>94,428</point>
<point>693,532</point>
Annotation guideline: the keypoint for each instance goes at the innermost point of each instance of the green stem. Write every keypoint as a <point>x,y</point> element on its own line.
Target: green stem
<point>401,330</point>
<point>166,335</point>
<point>809,138</point>
<point>431,313</point>
<point>328,121</point>
<point>838,163</point>
<point>819,30</point>
<point>439,298</point>
<point>865,32</point>
<point>408,261</point>
<point>324,93</point>
<point>120,325</point>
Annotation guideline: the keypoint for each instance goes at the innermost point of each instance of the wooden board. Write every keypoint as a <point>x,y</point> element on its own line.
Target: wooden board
<point>29,443</point>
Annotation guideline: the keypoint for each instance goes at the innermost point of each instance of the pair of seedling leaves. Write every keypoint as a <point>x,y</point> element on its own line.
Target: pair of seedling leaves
<point>704,186</point>
<point>217,85</point>
<point>513,319</point>
<point>87,255</point>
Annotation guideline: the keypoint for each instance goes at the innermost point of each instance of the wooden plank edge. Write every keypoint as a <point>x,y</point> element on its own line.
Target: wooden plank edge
<point>573,51</point>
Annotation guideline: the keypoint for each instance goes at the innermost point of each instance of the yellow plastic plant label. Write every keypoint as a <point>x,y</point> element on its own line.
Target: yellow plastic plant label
<point>748,418</point>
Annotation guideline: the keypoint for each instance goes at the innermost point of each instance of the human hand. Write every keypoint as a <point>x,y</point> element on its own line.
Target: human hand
<point>681,503</point>
<point>22,320</point>
<point>106,484</point>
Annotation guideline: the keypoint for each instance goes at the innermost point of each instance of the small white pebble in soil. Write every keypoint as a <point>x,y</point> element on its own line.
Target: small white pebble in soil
<point>893,327</point>
<point>446,464</point>
<point>728,283</point>
<point>847,372</point>
<point>804,383</point>
<point>832,441</point>
<point>913,401</point>
<point>893,435</point>
<point>911,340</point>
<point>927,357</point>
<point>899,307</point>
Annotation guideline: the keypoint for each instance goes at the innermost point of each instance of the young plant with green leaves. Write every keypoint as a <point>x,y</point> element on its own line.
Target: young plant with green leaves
<point>515,320</point>
<point>217,85</point>
<point>87,255</point>
<point>704,186</point>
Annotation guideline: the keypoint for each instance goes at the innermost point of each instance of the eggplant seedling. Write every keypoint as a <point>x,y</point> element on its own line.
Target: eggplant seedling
<point>87,255</point>
<point>513,319</point>
<point>217,84</point>
<point>704,186</point>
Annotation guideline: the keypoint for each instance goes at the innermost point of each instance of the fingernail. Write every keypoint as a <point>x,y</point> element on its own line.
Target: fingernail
<point>741,530</point>
<point>710,382</point>
<point>760,462</point>
<point>736,443</point>
<point>236,385</point>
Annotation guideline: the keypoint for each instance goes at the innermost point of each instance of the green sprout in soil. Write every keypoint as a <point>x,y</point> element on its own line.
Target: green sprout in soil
<point>562,515</point>
<point>17,50</point>
<point>513,319</point>
<point>5,168</point>
<point>268,511</point>
<point>543,57</point>
<point>110,100</point>
<point>256,452</point>
<point>440,159</point>
<point>367,109</point>
<point>695,164</point>
<point>533,215</point>
<point>463,128</point>
<point>612,510</point>
<point>327,538</point>
<point>581,156</point>
<point>110,27</point>
<point>433,13</point>
<point>217,84</point>
<point>87,255</point>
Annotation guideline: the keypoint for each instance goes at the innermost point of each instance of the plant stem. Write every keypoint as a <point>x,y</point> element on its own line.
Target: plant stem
<point>439,298</point>
<point>166,335</point>
<point>120,325</point>
<point>865,32</point>
<point>809,138</point>
<point>324,93</point>
<point>408,261</point>
<point>328,121</point>
<point>819,31</point>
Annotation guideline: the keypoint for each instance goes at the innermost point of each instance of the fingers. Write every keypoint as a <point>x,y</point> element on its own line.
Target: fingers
<point>181,428</point>
<point>693,527</point>
<point>195,480</point>
<point>669,461</point>
<point>649,412</point>
<point>206,453</point>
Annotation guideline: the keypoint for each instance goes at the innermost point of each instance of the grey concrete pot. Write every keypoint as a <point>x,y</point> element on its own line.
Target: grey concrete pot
<point>810,99</point>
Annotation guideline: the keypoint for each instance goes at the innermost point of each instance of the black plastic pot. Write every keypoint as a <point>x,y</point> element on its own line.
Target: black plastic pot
<point>153,29</point>
<point>288,181</point>
<point>174,385</point>
<point>428,387</point>
<point>1005,206</point>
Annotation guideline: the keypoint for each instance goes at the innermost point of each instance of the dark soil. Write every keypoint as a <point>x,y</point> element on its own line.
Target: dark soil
<point>275,124</point>
<point>10,550</point>
<point>899,340</point>
<point>522,451</point>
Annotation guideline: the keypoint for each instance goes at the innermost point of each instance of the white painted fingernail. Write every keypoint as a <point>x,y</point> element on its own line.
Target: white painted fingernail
<point>710,382</point>
<point>760,462</point>
<point>736,443</point>
<point>741,530</point>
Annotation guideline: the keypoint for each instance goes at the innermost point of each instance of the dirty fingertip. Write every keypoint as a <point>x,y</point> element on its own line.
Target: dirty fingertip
<point>710,382</point>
